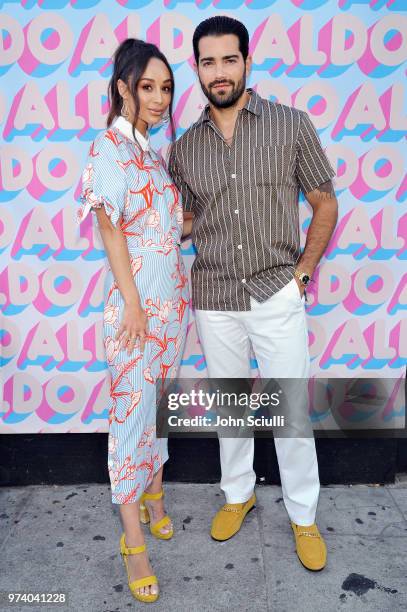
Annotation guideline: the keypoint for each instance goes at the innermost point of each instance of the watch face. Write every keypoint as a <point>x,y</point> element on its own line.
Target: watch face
<point>305,279</point>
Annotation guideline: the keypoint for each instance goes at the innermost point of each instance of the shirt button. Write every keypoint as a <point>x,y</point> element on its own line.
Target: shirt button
<point>243,280</point>
<point>233,175</point>
<point>236,212</point>
<point>239,246</point>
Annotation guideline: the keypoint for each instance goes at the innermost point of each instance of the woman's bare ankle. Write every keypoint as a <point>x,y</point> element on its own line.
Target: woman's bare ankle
<point>135,538</point>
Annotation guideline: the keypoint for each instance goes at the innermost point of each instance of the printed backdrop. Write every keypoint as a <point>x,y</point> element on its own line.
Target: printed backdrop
<point>342,61</point>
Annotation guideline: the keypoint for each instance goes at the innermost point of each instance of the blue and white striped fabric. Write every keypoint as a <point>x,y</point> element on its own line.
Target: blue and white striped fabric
<point>130,180</point>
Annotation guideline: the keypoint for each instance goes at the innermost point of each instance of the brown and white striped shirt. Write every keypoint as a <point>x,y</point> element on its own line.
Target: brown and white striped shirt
<point>245,200</point>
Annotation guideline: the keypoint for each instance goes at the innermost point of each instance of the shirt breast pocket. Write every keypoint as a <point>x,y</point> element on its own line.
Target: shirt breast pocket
<point>273,164</point>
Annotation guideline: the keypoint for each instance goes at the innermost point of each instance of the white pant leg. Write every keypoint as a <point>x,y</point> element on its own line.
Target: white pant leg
<point>226,348</point>
<point>278,332</point>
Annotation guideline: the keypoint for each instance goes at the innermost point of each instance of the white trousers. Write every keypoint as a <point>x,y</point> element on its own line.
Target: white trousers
<point>277,331</point>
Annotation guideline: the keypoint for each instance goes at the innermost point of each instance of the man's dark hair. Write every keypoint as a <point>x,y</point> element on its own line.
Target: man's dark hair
<point>218,26</point>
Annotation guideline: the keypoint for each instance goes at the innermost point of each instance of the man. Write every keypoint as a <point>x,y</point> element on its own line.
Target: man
<point>239,169</point>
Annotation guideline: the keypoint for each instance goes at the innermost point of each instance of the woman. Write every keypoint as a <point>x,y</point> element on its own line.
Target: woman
<point>139,214</point>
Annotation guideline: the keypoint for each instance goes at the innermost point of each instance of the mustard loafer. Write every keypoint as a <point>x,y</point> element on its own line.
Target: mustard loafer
<point>310,545</point>
<point>229,519</point>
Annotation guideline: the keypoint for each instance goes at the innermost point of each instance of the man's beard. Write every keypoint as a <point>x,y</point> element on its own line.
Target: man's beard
<point>227,100</point>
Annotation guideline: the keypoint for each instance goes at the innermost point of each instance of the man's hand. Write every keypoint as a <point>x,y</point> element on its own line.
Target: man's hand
<point>301,287</point>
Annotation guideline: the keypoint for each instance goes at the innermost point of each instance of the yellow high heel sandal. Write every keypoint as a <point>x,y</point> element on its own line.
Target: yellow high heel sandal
<point>145,517</point>
<point>141,582</point>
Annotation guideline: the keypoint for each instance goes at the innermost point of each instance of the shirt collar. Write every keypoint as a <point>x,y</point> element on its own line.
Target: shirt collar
<point>253,105</point>
<point>126,128</point>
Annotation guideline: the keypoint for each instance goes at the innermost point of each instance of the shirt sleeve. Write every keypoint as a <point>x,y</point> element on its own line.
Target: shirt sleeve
<point>313,167</point>
<point>188,198</point>
<point>104,180</point>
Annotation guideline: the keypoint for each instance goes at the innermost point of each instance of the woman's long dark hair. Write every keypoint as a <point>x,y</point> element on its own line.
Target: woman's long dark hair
<point>129,64</point>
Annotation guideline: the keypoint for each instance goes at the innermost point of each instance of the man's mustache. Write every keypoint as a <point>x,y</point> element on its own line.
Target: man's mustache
<point>221,83</point>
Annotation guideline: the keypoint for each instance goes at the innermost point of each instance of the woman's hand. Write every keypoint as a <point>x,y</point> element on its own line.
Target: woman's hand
<point>133,326</point>
<point>187,225</point>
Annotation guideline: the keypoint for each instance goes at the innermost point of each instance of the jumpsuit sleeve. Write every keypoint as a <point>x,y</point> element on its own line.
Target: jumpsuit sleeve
<point>104,180</point>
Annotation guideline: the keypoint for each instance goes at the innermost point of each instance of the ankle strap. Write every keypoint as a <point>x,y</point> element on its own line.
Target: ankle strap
<point>153,496</point>
<point>132,550</point>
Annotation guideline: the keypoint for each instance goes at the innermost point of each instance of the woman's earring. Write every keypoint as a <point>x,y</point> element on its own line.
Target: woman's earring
<point>124,111</point>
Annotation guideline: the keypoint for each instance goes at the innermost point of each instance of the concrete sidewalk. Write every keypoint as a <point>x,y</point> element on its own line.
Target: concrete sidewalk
<point>65,538</point>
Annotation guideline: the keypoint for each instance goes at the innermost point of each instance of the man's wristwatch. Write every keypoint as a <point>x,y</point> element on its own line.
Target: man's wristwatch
<point>303,277</point>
